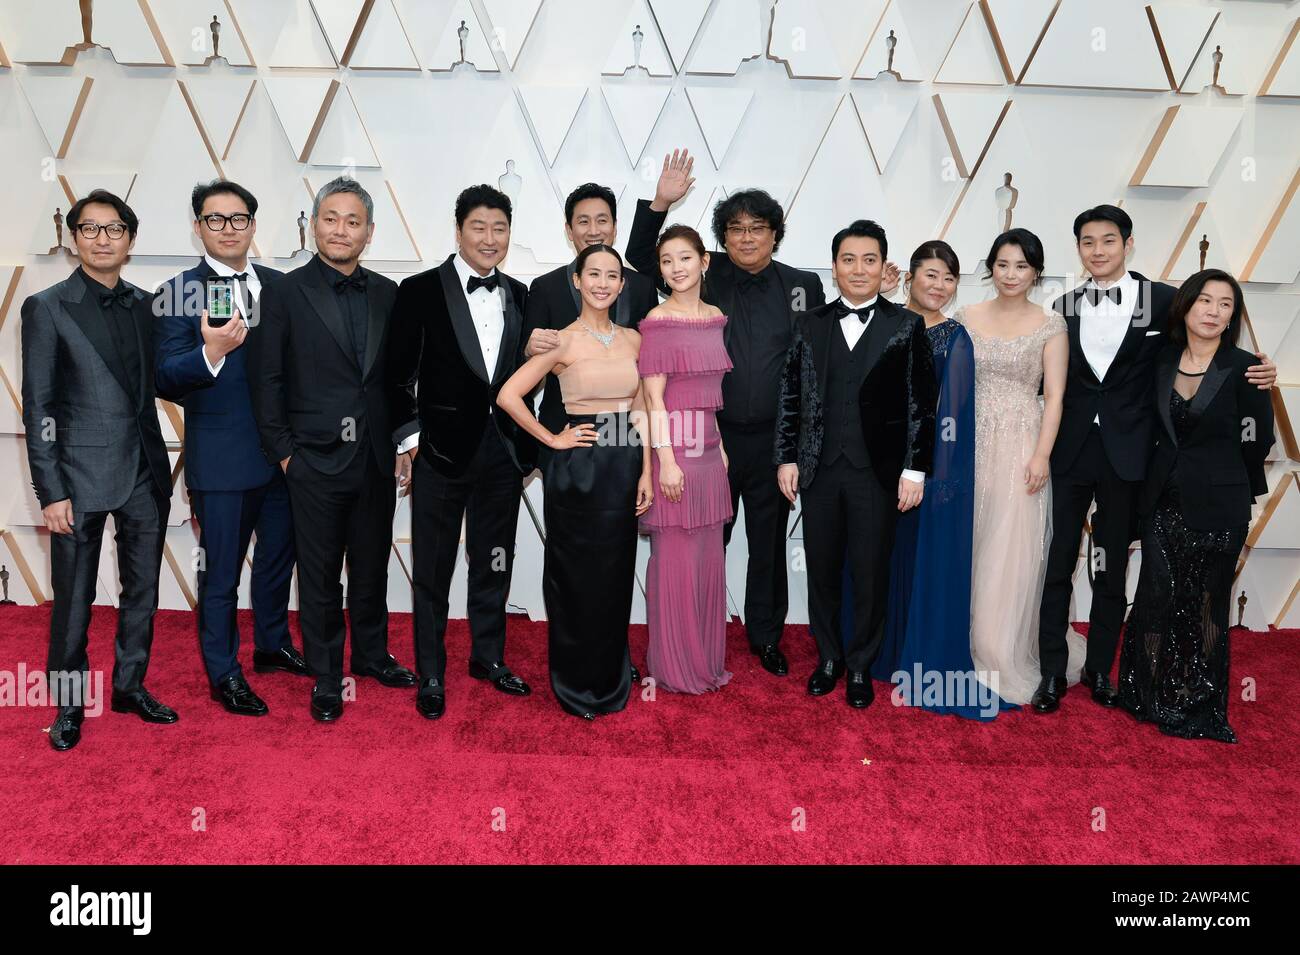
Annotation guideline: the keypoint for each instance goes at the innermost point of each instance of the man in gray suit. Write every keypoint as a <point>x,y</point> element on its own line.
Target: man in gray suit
<point>95,448</point>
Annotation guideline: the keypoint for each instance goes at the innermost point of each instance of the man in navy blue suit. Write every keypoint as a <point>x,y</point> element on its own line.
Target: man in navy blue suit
<point>234,490</point>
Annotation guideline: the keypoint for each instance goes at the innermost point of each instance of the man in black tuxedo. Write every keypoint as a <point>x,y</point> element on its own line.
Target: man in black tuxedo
<point>323,408</point>
<point>457,336</point>
<point>202,364</point>
<point>856,436</point>
<point>590,218</point>
<point>1117,326</point>
<point>762,300</point>
<point>95,448</point>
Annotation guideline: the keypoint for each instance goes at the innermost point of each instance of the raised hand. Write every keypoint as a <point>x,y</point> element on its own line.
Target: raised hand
<point>674,181</point>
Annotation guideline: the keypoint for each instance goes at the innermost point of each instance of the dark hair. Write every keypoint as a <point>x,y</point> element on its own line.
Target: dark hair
<point>221,187</point>
<point>481,195</point>
<point>1104,213</point>
<point>935,249</point>
<point>591,250</point>
<point>590,190</point>
<point>1186,297</point>
<point>680,231</point>
<point>107,198</point>
<point>748,202</point>
<point>1028,243</point>
<point>862,229</point>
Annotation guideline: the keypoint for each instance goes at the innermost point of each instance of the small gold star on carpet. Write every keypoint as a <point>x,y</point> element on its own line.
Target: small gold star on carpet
<point>866,762</point>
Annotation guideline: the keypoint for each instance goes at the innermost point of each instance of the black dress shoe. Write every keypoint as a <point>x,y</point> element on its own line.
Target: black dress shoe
<point>238,697</point>
<point>858,690</point>
<point>500,677</point>
<point>823,678</point>
<point>65,732</point>
<point>1047,698</point>
<point>1103,691</point>
<point>636,675</point>
<point>773,659</point>
<point>391,673</point>
<point>431,700</point>
<point>287,659</point>
<point>326,705</point>
<point>143,705</point>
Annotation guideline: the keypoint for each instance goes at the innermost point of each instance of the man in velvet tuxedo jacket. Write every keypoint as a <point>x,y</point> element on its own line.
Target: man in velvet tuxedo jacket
<point>457,336</point>
<point>590,215</point>
<point>233,488</point>
<point>762,299</point>
<point>1117,326</point>
<point>317,366</point>
<point>855,436</point>
<point>95,448</point>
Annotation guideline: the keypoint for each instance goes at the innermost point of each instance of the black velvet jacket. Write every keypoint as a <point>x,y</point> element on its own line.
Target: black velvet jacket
<point>433,344</point>
<point>897,399</point>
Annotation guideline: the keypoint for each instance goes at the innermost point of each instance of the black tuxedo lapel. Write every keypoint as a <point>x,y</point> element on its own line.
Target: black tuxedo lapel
<point>820,330</point>
<point>1138,327</point>
<point>374,326</point>
<point>1215,376</point>
<point>1165,372</point>
<point>85,312</point>
<point>142,313</point>
<point>462,322</point>
<point>879,331</point>
<point>513,324</point>
<point>720,290</point>
<point>1077,358</point>
<point>325,301</point>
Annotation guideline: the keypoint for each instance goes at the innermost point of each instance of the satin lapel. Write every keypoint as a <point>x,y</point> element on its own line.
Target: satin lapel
<point>514,322</point>
<point>821,331</point>
<point>1165,372</point>
<point>142,312</point>
<point>462,322</point>
<point>84,309</point>
<point>879,331</point>
<point>1137,328</point>
<point>325,302</point>
<point>1077,358</point>
<point>1214,378</point>
<point>375,325</point>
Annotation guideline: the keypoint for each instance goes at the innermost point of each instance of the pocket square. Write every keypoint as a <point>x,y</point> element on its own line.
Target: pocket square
<point>1149,334</point>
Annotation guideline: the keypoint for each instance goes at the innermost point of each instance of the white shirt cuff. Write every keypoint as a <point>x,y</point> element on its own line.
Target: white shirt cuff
<point>215,369</point>
<point>409,443</point>
<point>917,477</point>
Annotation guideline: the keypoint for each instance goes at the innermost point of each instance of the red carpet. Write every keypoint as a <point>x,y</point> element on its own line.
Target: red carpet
<point>711,779</point>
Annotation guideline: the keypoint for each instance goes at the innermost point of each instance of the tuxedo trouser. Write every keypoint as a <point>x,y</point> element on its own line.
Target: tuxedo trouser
<point>1091,476</point>
<point>350,515</point>
<point>846,509</point>
<point>486,499</point>
<point>140,524</point>
<point>227,520</point>
<point>751,473</point>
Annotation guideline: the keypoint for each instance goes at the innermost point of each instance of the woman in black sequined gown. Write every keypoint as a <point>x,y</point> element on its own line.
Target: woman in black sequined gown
<point>1207,467</point>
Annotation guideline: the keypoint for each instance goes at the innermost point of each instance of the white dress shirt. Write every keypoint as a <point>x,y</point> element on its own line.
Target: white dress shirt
<point>853,329</point>
<point>254,286</point>
<point>487,309</point>
<point>1102,327</point>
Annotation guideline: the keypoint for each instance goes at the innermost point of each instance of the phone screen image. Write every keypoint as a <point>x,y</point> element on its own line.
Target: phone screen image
<point>221,303</point>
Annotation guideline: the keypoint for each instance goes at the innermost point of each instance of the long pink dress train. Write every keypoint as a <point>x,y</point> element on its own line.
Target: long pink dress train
<point>686,582</point>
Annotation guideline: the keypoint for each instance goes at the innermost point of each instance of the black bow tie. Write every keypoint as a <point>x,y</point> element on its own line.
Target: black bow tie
<point>357,280</point>
<point>119,296</point>
<point>1095,295</point>
<point>864,313</point>
<point>241,277</point>
<point>752,283</point>
<point>489,282</point>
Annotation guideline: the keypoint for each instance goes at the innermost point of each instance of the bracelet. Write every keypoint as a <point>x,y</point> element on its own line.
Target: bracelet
<point>656,447</point>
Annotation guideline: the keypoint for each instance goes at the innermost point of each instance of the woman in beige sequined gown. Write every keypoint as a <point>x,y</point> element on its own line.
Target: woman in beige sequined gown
<point>1017,347</point>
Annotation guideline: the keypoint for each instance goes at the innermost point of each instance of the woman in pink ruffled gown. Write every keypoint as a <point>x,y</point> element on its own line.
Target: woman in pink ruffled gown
<point>682,362</point>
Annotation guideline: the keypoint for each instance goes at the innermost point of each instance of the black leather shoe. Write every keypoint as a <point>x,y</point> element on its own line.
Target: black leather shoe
<point>143,705</point>
<point>326,706</point>
<point>1047,698</point>
<point>287,659</point>
<point>238,697</point>
<point>391,673</point>
<point>1103,691</point>
<point>823,678</point>
<point>772,658</point>
<point>636,676</point>
<point>500,677</point>
<point>858,690</point>
<point>65,732</point>
<point>431,700</point>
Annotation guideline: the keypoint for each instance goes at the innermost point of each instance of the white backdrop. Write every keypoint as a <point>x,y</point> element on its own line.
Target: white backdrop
<point>1082,101</point>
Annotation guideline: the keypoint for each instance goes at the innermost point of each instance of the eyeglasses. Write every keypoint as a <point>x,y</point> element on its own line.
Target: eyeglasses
<point>90,230</point>
<point>757,231</point>
<point>216,222</point>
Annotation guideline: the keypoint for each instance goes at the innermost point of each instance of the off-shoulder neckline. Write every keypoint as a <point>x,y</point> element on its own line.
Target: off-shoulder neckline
<point>1047,322</point>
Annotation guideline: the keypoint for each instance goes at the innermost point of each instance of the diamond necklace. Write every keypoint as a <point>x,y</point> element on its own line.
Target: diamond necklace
<point>606,339</point>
